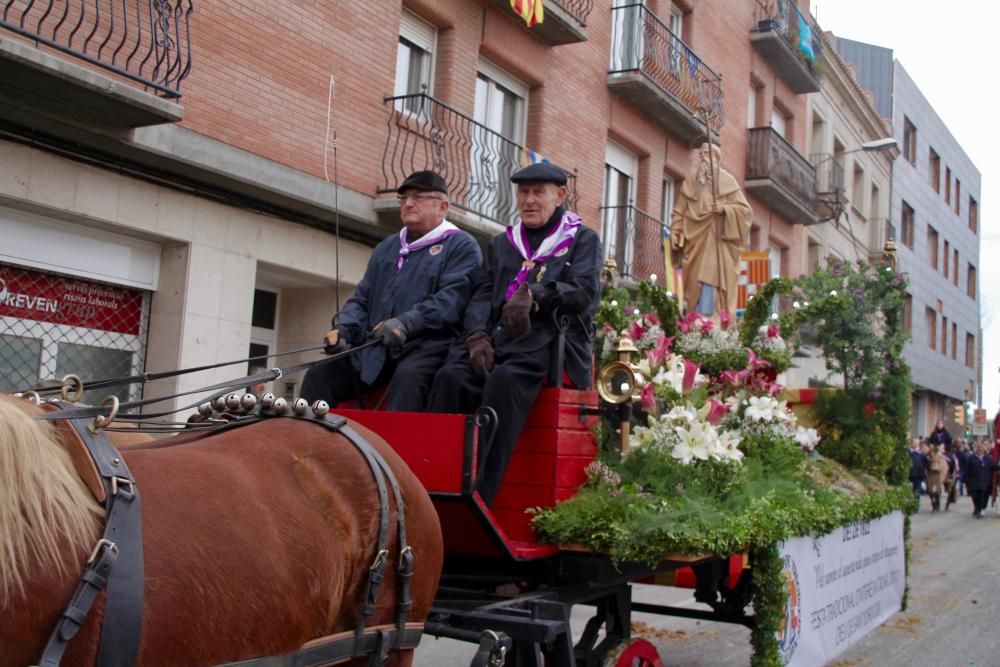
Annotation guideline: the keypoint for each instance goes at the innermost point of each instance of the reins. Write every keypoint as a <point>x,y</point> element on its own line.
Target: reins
<point>108,410</point>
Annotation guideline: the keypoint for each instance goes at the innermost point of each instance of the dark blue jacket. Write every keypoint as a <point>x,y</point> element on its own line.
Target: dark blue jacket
<point>977,472</point>
<point>428,295</point>
<point>918,461</point>
<point>569,282</point>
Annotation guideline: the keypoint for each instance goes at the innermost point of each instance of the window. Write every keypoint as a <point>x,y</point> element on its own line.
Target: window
<point>970,288</point>
<point>958,197</point>
<point>909,141</point>
<point>668,200</point>
<point>775,255</point>
<point>812,256</point>
<point>752,106</point>
<point>620,168</point>
<point>858,191</point>
<point>954,341</point>
<point>778,121</point>
<point>944,335</point>
<point>874,205</point>
<point>973,215</point>
<point>908,313</point>
<point>414,61</point>
<point>946,256</point>
<point>947,185</point>
<point>931,318</point>
<point>935,169</point>
<point>970,350</point>
<point>906,226</point>
<point>954,264</point>
<point>677,22</point>
<point>500,114</point>
<point>932,247</point>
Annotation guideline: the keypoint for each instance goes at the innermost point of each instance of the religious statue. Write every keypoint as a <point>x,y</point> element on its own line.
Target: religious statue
<point>710,227</point>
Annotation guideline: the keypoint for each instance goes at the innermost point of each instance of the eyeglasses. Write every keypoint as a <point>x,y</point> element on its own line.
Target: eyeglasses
<point>419,196</point>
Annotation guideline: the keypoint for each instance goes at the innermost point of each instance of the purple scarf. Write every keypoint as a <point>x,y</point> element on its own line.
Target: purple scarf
<point>440,232</point>
<point>560,238</point>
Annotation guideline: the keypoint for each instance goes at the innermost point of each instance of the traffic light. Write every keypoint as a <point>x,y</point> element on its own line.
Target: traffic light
<point>959,414</point>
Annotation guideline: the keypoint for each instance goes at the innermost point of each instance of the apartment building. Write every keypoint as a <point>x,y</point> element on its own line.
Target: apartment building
<point>194,180</point>
<point>934,208</point>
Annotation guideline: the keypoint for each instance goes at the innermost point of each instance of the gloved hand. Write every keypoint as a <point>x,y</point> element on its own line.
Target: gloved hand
<point>335,341</point>
<point>480,352</point>
<point>516,318</point>
<point>392,334</point>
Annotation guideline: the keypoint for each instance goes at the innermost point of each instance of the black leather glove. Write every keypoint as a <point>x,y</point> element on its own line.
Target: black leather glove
<point>335,341</point>
<point>392,334</point>
<point>516,317</point>
<point>480,352</point>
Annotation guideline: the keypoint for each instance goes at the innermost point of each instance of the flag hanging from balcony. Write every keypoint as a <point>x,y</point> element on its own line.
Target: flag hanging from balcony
<point>755,270</point>
<point>530,10</point>
<point>530,157</point>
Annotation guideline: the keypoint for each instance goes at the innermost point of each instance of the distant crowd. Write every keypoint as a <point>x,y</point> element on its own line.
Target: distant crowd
<point>951,467</point>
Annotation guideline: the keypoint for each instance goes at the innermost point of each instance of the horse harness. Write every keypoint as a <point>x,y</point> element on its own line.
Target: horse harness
<point>116,561</point>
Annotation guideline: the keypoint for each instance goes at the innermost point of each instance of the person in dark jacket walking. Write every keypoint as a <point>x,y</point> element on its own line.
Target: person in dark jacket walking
<point>411,299</point>
<point>978,469</point>
<point>548,260</point>
<point>918,464</point>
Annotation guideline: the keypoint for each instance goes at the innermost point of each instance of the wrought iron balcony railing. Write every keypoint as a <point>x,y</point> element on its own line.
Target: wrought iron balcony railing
<point>643,44</point>
<point>791,42</point>
<point>578,9</point>
<point>474,160</point>
<point>147,41</point>
<point>634,239</point>
<point>831,197</point>
<point>780,175</point>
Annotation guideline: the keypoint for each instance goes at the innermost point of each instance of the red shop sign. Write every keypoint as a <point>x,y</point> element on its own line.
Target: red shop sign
<point>32,295</point>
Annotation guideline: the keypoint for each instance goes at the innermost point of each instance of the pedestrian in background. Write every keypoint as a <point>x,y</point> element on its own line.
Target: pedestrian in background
<point>978,469</point>
<point>951,478</point>
<point>918,463</point>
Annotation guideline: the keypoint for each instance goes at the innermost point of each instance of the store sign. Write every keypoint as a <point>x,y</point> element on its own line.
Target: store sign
<point>43,297</point>
<point>841,586</point>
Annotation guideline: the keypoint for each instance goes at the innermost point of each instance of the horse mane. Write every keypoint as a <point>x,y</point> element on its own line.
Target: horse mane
<point>46,512</point>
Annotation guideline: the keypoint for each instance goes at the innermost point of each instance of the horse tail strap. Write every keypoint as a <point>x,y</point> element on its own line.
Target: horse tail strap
<point>116,563</point>
<point>375,644</point>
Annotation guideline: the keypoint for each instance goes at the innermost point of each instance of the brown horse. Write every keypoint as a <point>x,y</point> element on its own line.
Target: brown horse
<point>256,540</point>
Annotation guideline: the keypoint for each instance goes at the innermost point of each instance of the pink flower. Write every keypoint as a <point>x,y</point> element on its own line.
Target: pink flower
<point>716,411</point>
<point>636,330</point>
<point>652,319</point>
<point>707,325</point>
<point>687,322</point>
<point>662,349</point>
<point>773,331</point>
<point>648,398</point>
<point>753,363</point>
<point>690,371</point>
<point>725,319</point>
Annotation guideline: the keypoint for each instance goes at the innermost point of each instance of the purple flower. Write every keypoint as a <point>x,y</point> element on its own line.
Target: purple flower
<point>859,294</point>
<point>876,395</point>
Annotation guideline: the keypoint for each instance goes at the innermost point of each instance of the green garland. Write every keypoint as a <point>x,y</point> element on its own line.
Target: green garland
<point>770,594</point>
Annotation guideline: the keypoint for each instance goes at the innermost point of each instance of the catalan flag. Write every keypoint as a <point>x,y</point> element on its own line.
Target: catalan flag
<point>755,270</point>
<point>530,10</point>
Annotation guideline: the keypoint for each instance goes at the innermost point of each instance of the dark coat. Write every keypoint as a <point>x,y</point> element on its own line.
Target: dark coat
<point>918,462</point>
<point>941,437</point>
<point>977,472</point>
<point>428,295</point>
<point>569,282</point>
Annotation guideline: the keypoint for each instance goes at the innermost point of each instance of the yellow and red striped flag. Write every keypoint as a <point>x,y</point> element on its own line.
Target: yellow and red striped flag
<point>530,10</point>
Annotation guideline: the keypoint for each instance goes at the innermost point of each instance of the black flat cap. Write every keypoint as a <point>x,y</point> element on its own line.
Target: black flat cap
<point>424,180</point>
<point>541,172</point>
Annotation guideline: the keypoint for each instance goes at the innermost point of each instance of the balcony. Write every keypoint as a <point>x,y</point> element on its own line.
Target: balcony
<point>474,160</point>
<point>831,198</point>
<point>565,20</point>
<point>780,176</point>
<point>658,73</point>
<point>790,42</point>
<point>130,59</point>
<point>634,239</point>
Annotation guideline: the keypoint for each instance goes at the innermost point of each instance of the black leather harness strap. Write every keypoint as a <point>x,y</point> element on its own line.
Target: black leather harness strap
<point>340,648</point>
<point>116,563</point>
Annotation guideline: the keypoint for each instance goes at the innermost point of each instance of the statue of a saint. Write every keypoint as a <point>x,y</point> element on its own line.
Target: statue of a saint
<point>710,226</point>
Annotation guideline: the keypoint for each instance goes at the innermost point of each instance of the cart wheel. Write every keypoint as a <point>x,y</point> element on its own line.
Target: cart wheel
<point>633,653</point>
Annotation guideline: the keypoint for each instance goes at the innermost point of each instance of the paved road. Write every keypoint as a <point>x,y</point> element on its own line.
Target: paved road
<point>953,619</point>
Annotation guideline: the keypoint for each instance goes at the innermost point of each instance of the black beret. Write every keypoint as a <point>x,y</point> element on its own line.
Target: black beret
<point>424,180</point>
<point>541,172</point>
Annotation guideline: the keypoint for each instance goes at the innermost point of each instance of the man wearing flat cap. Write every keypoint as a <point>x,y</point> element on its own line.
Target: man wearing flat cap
<point>411,299</point>
<point>547,260</point>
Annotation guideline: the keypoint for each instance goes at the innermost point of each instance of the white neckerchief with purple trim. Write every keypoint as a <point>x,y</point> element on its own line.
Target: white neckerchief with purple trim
<point>430,238</point>
<point>559,238</point>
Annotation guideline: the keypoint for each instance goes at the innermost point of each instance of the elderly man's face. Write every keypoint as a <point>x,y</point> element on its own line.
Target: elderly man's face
<point>421,211</point>
<point>536,202</point>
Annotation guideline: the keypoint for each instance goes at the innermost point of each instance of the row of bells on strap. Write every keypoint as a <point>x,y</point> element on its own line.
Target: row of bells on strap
<point>271,405</point>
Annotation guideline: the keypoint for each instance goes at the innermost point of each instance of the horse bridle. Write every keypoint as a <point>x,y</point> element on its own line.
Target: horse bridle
<point>116,561</point>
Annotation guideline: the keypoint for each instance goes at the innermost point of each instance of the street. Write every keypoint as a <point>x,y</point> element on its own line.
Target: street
<point>954,601</point>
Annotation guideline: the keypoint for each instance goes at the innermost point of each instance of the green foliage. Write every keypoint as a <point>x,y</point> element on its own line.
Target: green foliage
<point>770,593</point>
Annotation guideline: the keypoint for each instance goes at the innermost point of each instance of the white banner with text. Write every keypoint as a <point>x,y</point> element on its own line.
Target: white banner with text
<point>841,586</point>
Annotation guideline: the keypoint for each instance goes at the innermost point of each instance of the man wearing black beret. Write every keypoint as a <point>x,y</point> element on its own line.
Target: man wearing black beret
<point>411,299</point>
<point>547,260</point>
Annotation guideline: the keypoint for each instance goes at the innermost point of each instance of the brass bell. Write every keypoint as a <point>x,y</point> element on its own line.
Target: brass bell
<point>280,406</point>
<point>300,406</point>
<point>320,408</point>
<point>248,401</point>
<point>233,402</point>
